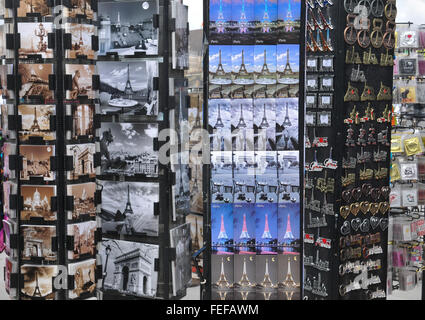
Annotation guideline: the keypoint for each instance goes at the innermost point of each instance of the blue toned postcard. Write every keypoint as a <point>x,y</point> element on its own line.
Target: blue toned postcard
<point>220,21</point>
<point>289,21</point>
<point>222,228</point>
<point>266,228</point>
<point>244,227</point>
<point>288,225</point>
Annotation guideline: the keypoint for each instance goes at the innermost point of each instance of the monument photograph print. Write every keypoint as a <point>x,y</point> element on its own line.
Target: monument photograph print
<point>82,81</point>
<point>80,8</point>
<point>33,8</point>
<point>35,81</point>
<point>36,162</point>
<point>83,155</point>
<point>181,273</point>
<point>37,243</point>
<point>83,199</point>
<point>36,121</point>
<point>37,202</point>
<point>127,28</point>
<point>81,40</point>
<point>128,208</point>
<point>84,278</point>
<point>129,268</point>
<point>38,282</point>
<point>34,39</point>
<point>128,87</point>
<point>84,242</point>
<point>82,121</point>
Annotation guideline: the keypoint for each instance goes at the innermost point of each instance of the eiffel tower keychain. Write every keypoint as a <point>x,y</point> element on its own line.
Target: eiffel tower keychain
<point>329,163</point>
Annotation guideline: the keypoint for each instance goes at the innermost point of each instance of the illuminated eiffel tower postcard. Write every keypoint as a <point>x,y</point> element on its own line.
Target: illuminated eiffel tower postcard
<point>289,276</point>
<point>243,21</point>
<point>222,277</point>
<point>266,277</point>
<point>244,276</point>
<point>222,228</point>
<point>244,228</point>
<point>219,25</point>
<point>288,226</point>
<point>289,21</point>
<point>265,21</point>
<point>266,228</point>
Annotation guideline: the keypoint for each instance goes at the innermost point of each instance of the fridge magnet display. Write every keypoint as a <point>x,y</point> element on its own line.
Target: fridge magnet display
<point>137,215</point>
<point>31,8</point>
<point>127,28</point>
<point>11,267</point>
<point>81,40</point>
<point>38,243</point>
<point>38,282</point>
<point>180,38</point>
<point>244,228</point>
<point>181,273</point>
<point>83,159</point>
<point>287,124</point>
<point>34,40</point>
<point>82,121</point>
<point>35,81</point>
<point>244,277</point>
<point>289,176</point>
<point>84,239</point>
<point>289,21</point>
<point>37,203</point>
<point>196,231</point>
<point>128,87</point>
<point>82,81</point>
<point>128,149</point>
<point>83,199</point>
<point>266,270</point>
<point>80,8</point>
<point>222,279</point>
<point>118,257</point>
<point>266,228</point>
<point>288,226</point>
<point>222,228</point>
<point>265,15</point>
<point>36,122</point>
<point>220,16</point>
<point>84,278</point>
<point>36,162</point>
<point>242,21</point>
<point>289,287</point>
<point>9,227</point>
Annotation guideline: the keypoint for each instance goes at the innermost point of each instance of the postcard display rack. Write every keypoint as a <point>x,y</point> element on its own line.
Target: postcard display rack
<point>348,125</point>
<point>50,196</point>
<point>143,52</point>
<point>252,113</point>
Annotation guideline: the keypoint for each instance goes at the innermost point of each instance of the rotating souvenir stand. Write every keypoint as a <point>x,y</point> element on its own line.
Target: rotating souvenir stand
<point>148,225</point>
<point>41,199</point>
<point>406,214</point>
<point>252,196</point>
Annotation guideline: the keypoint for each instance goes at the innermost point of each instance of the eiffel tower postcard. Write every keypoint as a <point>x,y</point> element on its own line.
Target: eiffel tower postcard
<point>265,17</point>
<point>265,124</point>
<point>287,124</point>
<point>243,21</point>
<point>244,228</point>
<point>35,81</point>
<point>38,282</point>
<point>81,41</point>
<point>289,21</point>
<point>222,228</point>
<point>220,22</point>
<point>266,228</point>
<point>266,271</point>
<point>244,276</point>
<point>289,276</point>
<point>288,225</point>
<point>222,277</point>
<point>128,208</point>
<point>36,121</point>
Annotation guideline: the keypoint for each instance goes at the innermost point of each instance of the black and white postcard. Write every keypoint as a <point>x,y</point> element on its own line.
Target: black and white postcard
<point>128,87</point>
<point>287,124</point>
<point>128,207</point>
<point>127,27</point>
<point>180,37</point>
<point>119,275</point>
<point>128,149</point>
<point>181,267</point>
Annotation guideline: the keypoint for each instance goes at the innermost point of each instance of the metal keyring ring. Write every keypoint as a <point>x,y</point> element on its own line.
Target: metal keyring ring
<point>349,5</point>
<point>363,41</point>
<point>389,40</point>
<point>377,8</point>
<point>390,11</point>
<point>350,35</point>
<point>377,38</point>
